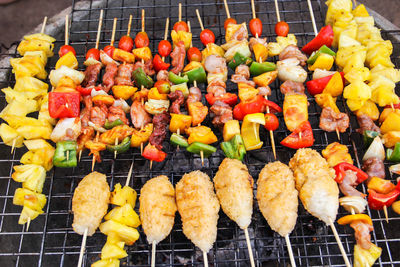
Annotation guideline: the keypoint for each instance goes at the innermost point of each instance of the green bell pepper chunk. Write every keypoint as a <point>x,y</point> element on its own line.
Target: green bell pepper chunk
<point>227,148</point>
<point>182,87</point>
<point>234,149</point>
<point>176,79</point>
<point>197,147</point>
<point>141,78</point>
<point>122,147</point>
<point>322,50</point>
<point>178,140</point>
<point>109,125</point>
<point>65,154</point>
<point>197,74</point>
<point>369,136</point>
<point>257,68</point>
<point>393,154</point>
<point>239,59</point>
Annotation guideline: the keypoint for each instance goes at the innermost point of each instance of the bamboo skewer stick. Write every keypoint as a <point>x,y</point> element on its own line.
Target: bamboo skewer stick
<point>143,16</point>
<point>153,253</point>
<point>385,211</point>
<point>205,259</point>
<point>28,223</point>
<point>253,9</point>
<point>83,245</point>
<point>290,251</point>
<point>94,158</point>
<point>228,15</point>
<point>66,30</point>
<point>99,28</point>
<point>339,242</point>
<point>115,143</point>
<point>278,16</point>
<point>128,32</point>
<point>180,12</point>
<point>199,18</point>
<point>246,233</point>
<point>44,24</point>
<point>13,145</point>
<point>113,32</point>
<point>166,32</point>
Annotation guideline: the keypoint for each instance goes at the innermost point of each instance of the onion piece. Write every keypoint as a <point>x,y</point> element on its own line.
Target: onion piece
<point>122,103</point>
<point>95,92</point>
<point>319,73</point>
<point>395,169</point>
<point>96,127</point>
<point>353,203</point>
<point>375,150</point>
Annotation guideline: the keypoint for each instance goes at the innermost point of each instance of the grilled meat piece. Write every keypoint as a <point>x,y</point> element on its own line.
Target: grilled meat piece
<point>91,75</point>
<point>291,51</point>
<point>177,100</point>
<point>347,187</point>
<point>115,113</point>
<point>362,233</point>
<point>240,34</point>
<point>160,122</point>
<point>90,203</point>
<point>330,120</point>
<point>292,87</point>
<point>147,67</point>
<point>124,75</point>
<point>87,133</point>
<point>215,64</point>
<point>265,91</point>
<point>366,124</point>
<point>98,115</point>
<point>95,147</point>
<point>242,75</point>
<point>162,75</point>
<point>222,113</point>
<point>374,167</point>
<point>139,115</point>
<point>194,95</point>
<point>254,40</point>
<point>66,129</point>
<point>109,76</point>
<point>178,57</point>
<point>118,132</point>
<point>86,112</point>
<point>198,206</point>
<point>277,197</point>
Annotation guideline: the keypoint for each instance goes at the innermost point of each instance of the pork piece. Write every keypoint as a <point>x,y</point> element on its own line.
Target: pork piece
<point>374,167</point>
<point>216,87</point>
<point>160,122</point>
<point>347,187</point>
<point>194,95</point>
<point>222,113</point>
<point>198,206</point>
<point>362,233</point>
<point>240,34</point>
<point>115,113</point>
<point>90,203</point>
<point>147,67</point>
<point>66,129</point>
<point>162,75</point>
<point>109,76</point>
<point>119,132</point>
<point>330,120</point>
<point>124,75</point>
<point>254,40</point>
<point>293,51</point>
<point>98,115</point>
<point>215,64</point>
<point>315,182</point>
<point>265,91</point>
<point>234,189</point>
<point>277,197</point>
<point>139,115</point>
<point>157,208</point>
<point>366,124</point>
<point>292,87</point>
<point>91,75</point>
<point>242,75</point>
<point>177,100</point>
<point>178,57</point>
<point>87,133</point>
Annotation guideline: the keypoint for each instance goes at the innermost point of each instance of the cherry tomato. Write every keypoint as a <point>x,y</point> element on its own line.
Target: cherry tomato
<point>255,26</point>
<point>282,28</point>
<point>126,43</point>
<point>141,40</point>
<point>164,48</point>
<point>207,36</point>
<point>65,49</point>
<point>109,50</point>
<point>93,53</point>
<point>271,122</point>
<point>194,54</point>
<point>181,26</point>
<point>229,21</point>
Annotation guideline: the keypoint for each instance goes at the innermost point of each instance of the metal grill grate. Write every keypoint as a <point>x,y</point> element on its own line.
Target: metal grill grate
<point>51,240</point>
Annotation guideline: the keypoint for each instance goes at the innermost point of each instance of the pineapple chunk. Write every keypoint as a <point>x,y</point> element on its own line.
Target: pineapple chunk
<point>35,132</point>
<point>357,74</point>
<point>390,139</point>
<point>113,250</point>
<point>28,213</point>
<point>40,153</point>
<point>18,108</point>
<point>32,176</point>
<point>127,234</point>
<point>346,41</point>
<point>125,195</point>
<point>369,109</point>
<point>68,60</point>
<point>360,11</point>
<point>26,197</point>
<point>390,73</point>
<point>125,215</point>
<point>231,128</point>
<point>336,8</point>
<point>30,84</point>
<point>366,257</point>
<point>357,91</point>
<point>106,263</point>
<point>10,136</point>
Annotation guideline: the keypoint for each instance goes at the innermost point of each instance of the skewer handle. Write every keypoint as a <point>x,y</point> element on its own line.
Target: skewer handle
<point>385,211</point>
<point>228,15</point>
<point>339,242</point>
<point>99,28</point>
<point>253,9</point>
<point>199,18</point>
<point>113,32</point>
<point>66,30</point>
<point>153,254</point>
<point>83,245</point>
<point>278,16</point>
<point>179,12</point>
<point>43,24</point>
<point>246,233</point>
<point>205,259</point>
<point>166,29</point>
<point>312,17</point>
<point>143,16</point>
<point>128,32</point>
<point>290,251</point>
<point>128,178</point>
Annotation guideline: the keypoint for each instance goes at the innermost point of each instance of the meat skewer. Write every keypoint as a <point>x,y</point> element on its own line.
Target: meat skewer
<point>233,176</point>
<point>278,200</point>
<point>198,206</point>
<point>89,205</point>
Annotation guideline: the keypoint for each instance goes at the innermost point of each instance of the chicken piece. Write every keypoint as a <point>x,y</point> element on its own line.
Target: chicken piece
<point>347,187</point>
<point>139,115</point>
<point>87,133</point>
<point>254,40</point>
<point>124,75</point>
<point>162,75</point>
<point>194,95</point>
<point>291,51</point>
<point>198,206</point>
<point>240,34</point>
<point>222,113</point>
<point>85,113</point>
<point>277,197</point>
<point>98,115</point>
<point>198,112</point>
<point>374,167</point>
<point>90,203</point>
<point>95,147</point>
<point>242,75</point>
<point>361,232</point>
<point>120,132</point>
<point>178,57</point>
<point>264,90</point>
<point>315,182</point>
<point>366,124</point>
<point>91,75</point>
<point>331,121</point>
<point>157,208</point>
<point>215,64</point>
<point>234,188</point>
<point>115,113</point>
<point>292,87</point>
<point>109,76</point>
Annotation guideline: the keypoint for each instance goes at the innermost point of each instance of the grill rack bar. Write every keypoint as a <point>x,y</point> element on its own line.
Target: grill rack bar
<point>312,242</point>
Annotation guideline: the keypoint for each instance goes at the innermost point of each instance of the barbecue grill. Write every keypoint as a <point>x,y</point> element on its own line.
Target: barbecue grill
<point>51,241</point>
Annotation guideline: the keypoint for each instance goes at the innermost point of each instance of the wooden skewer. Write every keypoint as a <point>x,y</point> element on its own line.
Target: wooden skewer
<point>228,15</point>
<point>83,245</point>
<point>166,32</point>
<point>128,178</point>
<point>115,143</point>
<point>278,16</point>
<point>199,18</point>
<point>202,157</point>
<point>205,259</point>
<point>337,133</point>
<point>143,16</point>
<point>13,145</point>
<point>290,251</point>
<point>386,213</point>
<point>113,32</point>
<point>128,32</point>
<point>253,9</point>
<point>151,164</point>
<point>188,23</point>
<point>246,233</point>
<point>28,223</point>
<point>179,12</point>
<point>153,254</point>
<point>99,29</point>
<point>94,158</point>
<point>67,154</point>
<point>43,24</point>
<point>66,30</point>
<point>80,155</point>
<point>339,242</point>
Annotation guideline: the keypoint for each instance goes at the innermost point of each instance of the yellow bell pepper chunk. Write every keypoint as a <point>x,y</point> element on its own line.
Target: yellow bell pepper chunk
<point>355,217</point>
<point>324,61</point>
<point>123,91</point>
<point>260,52</point>
<point>180,122</point>
<point>335,85</point>
<point>231,128</point>
<point>155,94</point>
<point>246,92</point>
<point>68,60</point>
<point>370,109</point>
<point>325,100</point>
<point>142,53</point>
<point>141,136</point>
<point>266,78</point>
<point>391,123</point>
<point>250,130</point>
<point>366,257</point>
<point>202,134</point>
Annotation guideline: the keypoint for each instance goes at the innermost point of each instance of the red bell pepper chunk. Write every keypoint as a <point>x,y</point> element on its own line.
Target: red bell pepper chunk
<point>342,167</point>
<point>395,106</point>
<point>317,86</point>
<point>87,90</point>
<point>64,104</point>
<point>227,98</point>
<point>257,105</point>
<point>150,152</point>
<point>159,64</point>
<point>294,141</point>
<point>377,201</point>
<point>324,37</point>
